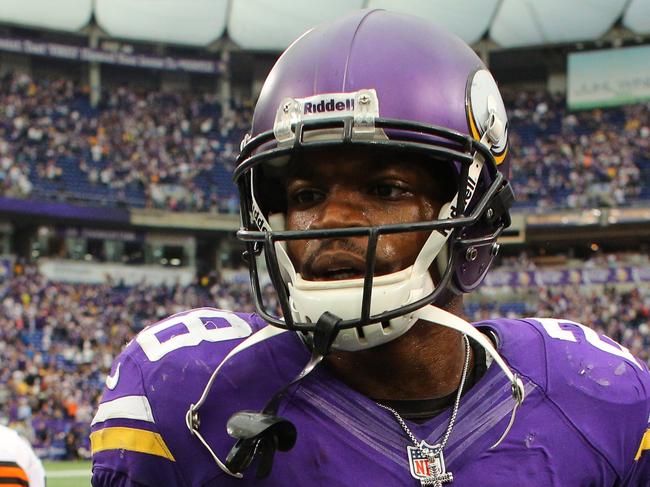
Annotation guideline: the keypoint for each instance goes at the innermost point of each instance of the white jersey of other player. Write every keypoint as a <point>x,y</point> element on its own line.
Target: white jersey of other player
<point>19,465</point>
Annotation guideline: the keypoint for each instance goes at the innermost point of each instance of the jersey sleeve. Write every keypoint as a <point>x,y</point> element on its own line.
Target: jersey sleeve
<point>103,477</point>
<point>603,391</point>
<point>127,445</point>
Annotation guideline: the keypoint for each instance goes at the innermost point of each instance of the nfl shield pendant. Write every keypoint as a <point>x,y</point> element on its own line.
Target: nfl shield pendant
<point>428,464</point>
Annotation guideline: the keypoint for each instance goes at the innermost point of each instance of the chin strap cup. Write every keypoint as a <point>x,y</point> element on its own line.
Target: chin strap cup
<point>258,435</point>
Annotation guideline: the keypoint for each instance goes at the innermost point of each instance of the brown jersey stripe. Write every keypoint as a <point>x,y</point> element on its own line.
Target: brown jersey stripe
<point>9,482</point>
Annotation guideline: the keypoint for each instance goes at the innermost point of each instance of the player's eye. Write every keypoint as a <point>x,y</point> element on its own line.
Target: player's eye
<point>389,190</point>
<point>305,196</point>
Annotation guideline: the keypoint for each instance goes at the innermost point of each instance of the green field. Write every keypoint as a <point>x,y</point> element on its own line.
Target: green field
<point>68,474</point>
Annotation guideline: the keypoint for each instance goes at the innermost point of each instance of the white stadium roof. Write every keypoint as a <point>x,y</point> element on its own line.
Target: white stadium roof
<point>270,25</point>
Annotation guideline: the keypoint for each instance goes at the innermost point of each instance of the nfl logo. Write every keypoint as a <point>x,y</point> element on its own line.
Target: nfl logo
<point>426,461</point>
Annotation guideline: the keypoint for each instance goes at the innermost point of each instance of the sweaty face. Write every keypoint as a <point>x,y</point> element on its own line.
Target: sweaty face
<point>350,189</point>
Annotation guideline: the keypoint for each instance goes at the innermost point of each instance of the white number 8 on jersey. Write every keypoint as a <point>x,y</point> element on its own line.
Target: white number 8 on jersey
<point>196,326</point>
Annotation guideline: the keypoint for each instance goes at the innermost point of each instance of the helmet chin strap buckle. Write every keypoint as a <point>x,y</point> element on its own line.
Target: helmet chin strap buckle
<point>260,434</point>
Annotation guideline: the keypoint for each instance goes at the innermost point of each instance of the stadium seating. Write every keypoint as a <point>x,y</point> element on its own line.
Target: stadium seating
<point>177,151</point>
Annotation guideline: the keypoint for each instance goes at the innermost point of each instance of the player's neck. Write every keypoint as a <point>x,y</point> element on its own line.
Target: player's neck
<point>425,363</point>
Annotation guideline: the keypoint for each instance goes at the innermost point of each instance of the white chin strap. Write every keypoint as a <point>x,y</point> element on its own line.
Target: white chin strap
<point>310,299</point>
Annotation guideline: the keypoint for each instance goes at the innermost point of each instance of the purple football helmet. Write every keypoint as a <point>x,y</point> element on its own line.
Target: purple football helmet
<point>383,81</point>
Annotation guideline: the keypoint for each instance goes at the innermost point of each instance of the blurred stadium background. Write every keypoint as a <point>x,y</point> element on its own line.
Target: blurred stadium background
<point>120,121</point>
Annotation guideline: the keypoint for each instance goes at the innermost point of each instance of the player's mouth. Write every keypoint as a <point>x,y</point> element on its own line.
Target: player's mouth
<point>336,265</point>
<point>330,266</point>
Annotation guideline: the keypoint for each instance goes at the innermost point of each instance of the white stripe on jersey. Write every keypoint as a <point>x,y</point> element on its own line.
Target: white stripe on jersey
<point>127,407</point>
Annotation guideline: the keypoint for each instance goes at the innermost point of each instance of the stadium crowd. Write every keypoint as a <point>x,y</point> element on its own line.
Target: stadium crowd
<point>155,149</point>
<point>176,150</point>
<point>589,158</point>
<point>58,340</point>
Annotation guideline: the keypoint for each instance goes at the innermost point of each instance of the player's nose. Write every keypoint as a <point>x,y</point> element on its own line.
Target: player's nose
<point>341,208</point>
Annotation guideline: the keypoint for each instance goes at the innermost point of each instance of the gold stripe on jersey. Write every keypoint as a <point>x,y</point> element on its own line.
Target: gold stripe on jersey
<point>645,444</point>
<point>131,439</point>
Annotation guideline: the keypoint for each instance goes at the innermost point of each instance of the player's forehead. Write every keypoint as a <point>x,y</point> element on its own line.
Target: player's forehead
<point>363,163</point>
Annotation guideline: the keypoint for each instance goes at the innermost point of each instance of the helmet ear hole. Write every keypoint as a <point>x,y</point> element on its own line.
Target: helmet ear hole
<point>446,173</point>
<point>269,189</point>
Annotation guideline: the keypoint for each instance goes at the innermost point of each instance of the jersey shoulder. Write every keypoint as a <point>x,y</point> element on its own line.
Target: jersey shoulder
<point>556,351</point>
<point>597,385</point>
<point>139,424</point>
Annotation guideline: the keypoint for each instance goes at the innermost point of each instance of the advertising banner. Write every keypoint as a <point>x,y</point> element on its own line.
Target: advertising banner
<point>63,51</point>
<point>568,277</point>
<point>608,77</point>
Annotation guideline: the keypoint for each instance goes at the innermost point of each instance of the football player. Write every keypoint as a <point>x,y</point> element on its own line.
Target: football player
<point>19,465</point>
<point>373,189</point>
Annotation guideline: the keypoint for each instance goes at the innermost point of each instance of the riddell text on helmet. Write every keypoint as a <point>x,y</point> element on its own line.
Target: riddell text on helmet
<point>330,105</point>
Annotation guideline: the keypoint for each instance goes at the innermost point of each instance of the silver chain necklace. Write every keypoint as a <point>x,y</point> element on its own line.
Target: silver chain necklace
<point>427,462</point>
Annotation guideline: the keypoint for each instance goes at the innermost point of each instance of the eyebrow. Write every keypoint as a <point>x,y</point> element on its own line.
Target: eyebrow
<point>302,168</point>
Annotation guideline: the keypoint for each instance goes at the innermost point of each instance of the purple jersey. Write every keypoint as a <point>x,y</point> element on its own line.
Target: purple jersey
<point>584,421</point>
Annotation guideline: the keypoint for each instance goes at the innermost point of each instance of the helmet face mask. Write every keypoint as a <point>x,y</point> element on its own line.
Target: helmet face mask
<point>376,308</point>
